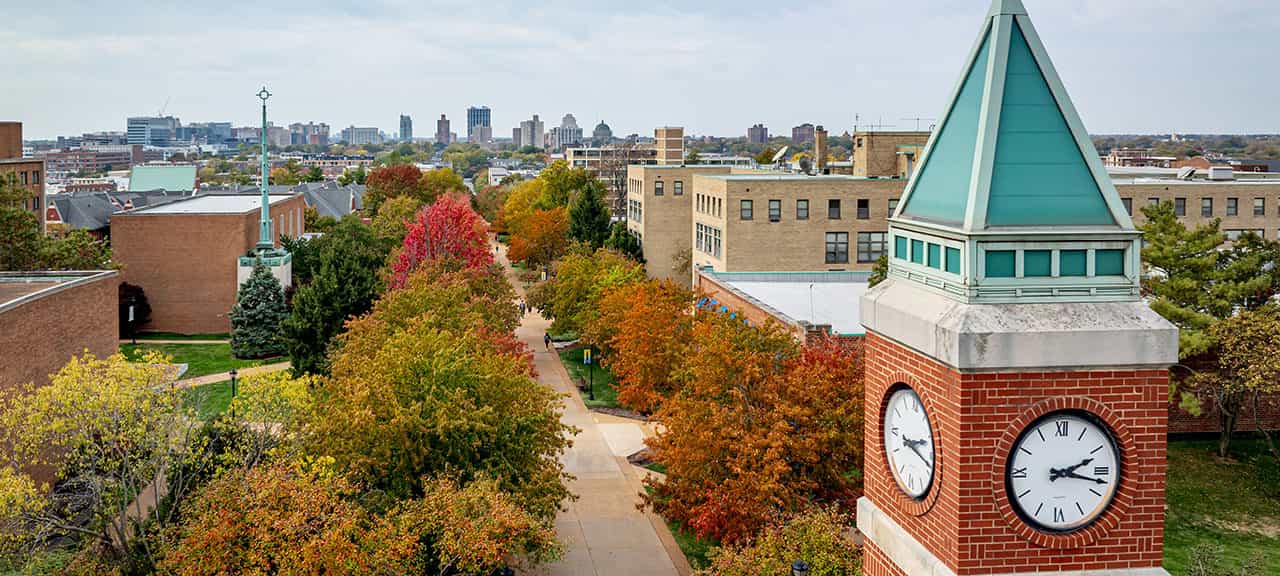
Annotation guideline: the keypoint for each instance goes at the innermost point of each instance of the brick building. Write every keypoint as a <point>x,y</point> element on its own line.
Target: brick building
<point>184,254</point>
<point>806,304</point>
<point>48,317</point>
<point>887,154</point>
<point>29,172</point>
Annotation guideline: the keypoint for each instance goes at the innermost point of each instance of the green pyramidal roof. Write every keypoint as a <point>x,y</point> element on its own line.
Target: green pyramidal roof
<point>1011,151</point>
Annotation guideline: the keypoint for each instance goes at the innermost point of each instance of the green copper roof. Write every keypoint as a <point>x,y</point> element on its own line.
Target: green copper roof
<point>1011,152</point>
<point>168,178</point>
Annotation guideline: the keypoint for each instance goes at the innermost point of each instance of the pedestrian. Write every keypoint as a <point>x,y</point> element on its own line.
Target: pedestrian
<point>522,310</point>
<point>546,339</point>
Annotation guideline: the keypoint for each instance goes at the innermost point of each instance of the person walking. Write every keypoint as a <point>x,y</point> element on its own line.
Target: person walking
<point>546,339</point>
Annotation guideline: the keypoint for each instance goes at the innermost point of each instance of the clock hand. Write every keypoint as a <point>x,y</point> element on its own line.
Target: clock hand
<point>1072,474</point>
<point>912,444</point>
<point>1056,473</point>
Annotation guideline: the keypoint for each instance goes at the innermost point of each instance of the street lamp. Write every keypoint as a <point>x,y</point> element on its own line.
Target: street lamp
<point>799,568</point>
<point>233,374</point>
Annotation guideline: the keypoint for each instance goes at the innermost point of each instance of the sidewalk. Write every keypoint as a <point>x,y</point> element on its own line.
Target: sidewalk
<point>241,373</point>
<point>603,531</point>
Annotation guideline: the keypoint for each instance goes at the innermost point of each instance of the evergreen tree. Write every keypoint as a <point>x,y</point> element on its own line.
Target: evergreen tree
<point>589,217</point>
<point>622,240</point>
<point>257,315</point>
<point>344,285</point>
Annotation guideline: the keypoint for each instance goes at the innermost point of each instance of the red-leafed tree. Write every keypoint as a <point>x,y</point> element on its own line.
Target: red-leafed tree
<point>643,329</point>
<point>447,230</point>
<point>392,182</point>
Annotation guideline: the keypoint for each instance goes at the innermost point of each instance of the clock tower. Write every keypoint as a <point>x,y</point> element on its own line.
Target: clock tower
<point>1016,383</point>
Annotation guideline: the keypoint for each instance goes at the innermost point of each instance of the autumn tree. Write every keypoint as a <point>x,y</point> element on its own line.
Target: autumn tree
<point>390,182</point>
<point>589,217</point>
<point>758,428</point>
<point>815,537</point>
<point>562,183</point>
<point>1246,350</point>
<point>642,329</point>
<point>449,230</point>
<point>442,182</point>
<point>257,315</point>
<point>542,238</point>
<point>623,241</point>
<point>520,204</point>
<point>394,218</point>
<point>571,297</point>
<point>488,202</point>
<point>110,428</point>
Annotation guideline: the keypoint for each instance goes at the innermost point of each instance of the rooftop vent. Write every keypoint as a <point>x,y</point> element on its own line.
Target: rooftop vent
<point>1221,173</point>
<point>1186,173</point>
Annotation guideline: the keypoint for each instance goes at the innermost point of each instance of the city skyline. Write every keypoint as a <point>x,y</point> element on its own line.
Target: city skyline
<point>730,64</point>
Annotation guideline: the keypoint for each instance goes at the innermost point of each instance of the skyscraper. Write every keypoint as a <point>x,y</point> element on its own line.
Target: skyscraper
<point>152,130</point>
<point>531,133</point>
<point>406,128</point>
<point>758,134</point>
<point>442,131</point>
<point>478,117</point>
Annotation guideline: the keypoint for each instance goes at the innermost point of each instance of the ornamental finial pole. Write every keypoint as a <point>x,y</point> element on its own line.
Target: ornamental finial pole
<point>265,241</point>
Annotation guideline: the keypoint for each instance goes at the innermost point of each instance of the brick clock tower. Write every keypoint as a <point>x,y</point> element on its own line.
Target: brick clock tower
<point>1016,384</point>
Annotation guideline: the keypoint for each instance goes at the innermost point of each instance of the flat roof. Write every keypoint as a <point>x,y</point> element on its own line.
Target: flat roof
<point>830,298</point>
<point>212,204</point>
<point>797,177</point>
<point>17,288</point>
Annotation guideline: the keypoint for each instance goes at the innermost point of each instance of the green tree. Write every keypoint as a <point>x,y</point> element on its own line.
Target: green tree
<point>571,298</point>
<point>312,221</point>
<point>589,217</point>
<point>441,181</point>
<point>314,175</point>
<point>19,229</point>
<point>257,315</point>
<point>816,537</point>
<point>879,271</point>
<point>345,284</point>
<point>623,241</point>
<point>392,221</point>
<point>1246,348</point>
<point>561,183</point>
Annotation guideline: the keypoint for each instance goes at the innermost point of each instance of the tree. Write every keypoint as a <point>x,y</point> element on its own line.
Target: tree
<point>1246,347</point>
<point>135,311</point>
<point>357,176</point>
<point>393,220</point>
<point>758,428</point>
<point>879,271</point>
<point>816,536</point>
<point>642,329</point>
<point>393,182</point>
<point>111,428</point>
<point>449,230</point>
<point>283,177</point>
<point>623,241</point>
<point>488,203</point>
<point>257,315</point>
<point>519,205</point>
<point>314,175</point>
<point>21,238</point>
<point>312,221</point>
<point>693,158</point>
<point>77,250</point>
<point>765,156</point>
<point>345,284</point>
<point>561,183</point>
<point>542,238</point>
<point>571,297</point>
<point>432,381</point>
<point>589,217</point>
<point>442,182</point>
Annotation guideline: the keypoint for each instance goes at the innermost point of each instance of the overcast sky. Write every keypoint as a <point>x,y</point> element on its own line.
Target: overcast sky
<point>712,66</point>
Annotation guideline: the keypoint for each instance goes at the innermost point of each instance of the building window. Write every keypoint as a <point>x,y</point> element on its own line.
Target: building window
<point>864,209</point>
<point>677,188</point>
<point>35,177</point>
<point>893,206</point>
<point>1128,205</point>
<point>1232,206</point>
<point>871,246</point>
<point>837,247</point>
<point>775,210</point>
<point>657,188</point>
<point>1179,206</point>
<point>24,177</point>
<point>1206,207</point>
<point>1259,206</point>
<point>833,209</point>
<point>1072,262</point>
<point>746,210</point>
<point>708,239</point>
<point>1153,201</point>
<point>802,209</point>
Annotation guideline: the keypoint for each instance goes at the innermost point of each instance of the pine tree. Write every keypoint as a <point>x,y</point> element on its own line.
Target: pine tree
<point>621,240</point>
<point>589,217</point>
<point>257,315</point>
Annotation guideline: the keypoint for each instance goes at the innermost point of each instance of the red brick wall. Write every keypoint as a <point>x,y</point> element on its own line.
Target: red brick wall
<point>743,307</point>
<point>966,520</point>
<point>39,337</point>
<point>875,563</point>
<point>1181,421</point>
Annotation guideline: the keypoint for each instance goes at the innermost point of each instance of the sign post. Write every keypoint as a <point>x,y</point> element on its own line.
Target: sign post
<point>591,373</point>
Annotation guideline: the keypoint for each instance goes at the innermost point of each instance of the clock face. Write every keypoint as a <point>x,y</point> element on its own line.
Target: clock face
<point>908,442</point>
<point>1063,471</point>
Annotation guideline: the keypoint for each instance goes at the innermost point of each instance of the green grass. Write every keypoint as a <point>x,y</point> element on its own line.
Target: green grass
<point>1225,504</point>
<point>605,391</point>
<point>657,467</point>
<point>201,359</point>
<point>177,336</point>
<point>695,550</point>
<point>209,400</point>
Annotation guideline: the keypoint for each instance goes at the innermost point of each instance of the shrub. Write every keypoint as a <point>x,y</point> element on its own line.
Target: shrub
<point>815,537</point>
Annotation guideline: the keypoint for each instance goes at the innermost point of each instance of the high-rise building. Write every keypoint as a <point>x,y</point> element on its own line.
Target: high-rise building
<point>406,128</point>
<point>758,134</point>
<point>152,130</point>
<point>820,150</point>
<point>602,135</point>
<point>479,130</point>
<point>361,136</point>
<point>570,134</point>
<point>531,133</point>
<point>515,136</point>
<point>442,131</point>
<point>309,134</point>
<point>802,134</point>
<point>205,133</point>
<point>669,142</point>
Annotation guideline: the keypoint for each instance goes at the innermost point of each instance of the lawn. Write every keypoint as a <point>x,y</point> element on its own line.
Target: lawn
<point>201,359</point>
<point>177,336</point>
<point>1225,504</point>
<point>209,400</point>
<point>605,392</point>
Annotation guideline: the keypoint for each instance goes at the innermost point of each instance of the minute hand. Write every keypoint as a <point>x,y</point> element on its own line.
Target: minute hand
<point>1072,474</point>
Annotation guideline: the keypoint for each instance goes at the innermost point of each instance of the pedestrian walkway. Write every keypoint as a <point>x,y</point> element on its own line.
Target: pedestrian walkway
<point>603,531</point>
<point>241,373</point>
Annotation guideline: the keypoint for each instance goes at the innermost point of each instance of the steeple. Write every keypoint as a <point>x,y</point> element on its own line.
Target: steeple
<point>265,242</point>
<point>1011,201</point>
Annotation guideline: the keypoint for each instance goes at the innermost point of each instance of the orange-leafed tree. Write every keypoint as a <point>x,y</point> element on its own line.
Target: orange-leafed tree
<point>542,237</point>
<point>447,230</point>
<point>758,429</point>
<point>642,329</point>
<point>393,182</point>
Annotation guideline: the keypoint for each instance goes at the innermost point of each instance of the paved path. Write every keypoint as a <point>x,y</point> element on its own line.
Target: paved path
<point>240,372</point>
<point>145,341</point>
<point>603,531</point>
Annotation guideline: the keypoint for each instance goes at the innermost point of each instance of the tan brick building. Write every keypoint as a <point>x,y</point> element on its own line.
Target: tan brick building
<point>184,253</point>
<point>891,154</point>
<point>48,317</point>
<point>30,172</point>
<point>658,211</point>
<point>668,142</point>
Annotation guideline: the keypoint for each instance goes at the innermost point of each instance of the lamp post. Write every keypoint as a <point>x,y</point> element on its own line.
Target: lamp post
<point>233,390</point>
<point>799,568</point>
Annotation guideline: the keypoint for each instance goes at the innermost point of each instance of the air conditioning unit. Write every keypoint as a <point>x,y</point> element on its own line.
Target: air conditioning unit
<point>1221,173</point>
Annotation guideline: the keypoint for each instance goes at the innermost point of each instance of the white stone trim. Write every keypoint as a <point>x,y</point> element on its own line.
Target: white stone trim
<point>1017,336</point>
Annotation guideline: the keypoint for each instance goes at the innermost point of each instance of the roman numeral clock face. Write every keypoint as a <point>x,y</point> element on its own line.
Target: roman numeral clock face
<point>1063,471</point>
<point>908,442</point>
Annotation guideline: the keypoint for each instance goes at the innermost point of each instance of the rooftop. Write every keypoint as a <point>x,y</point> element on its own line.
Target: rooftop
<point>830,298</point>
<point>179,178</point>
<point>17,288</point>
<point>791,176</point>
<point>212,204</point>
